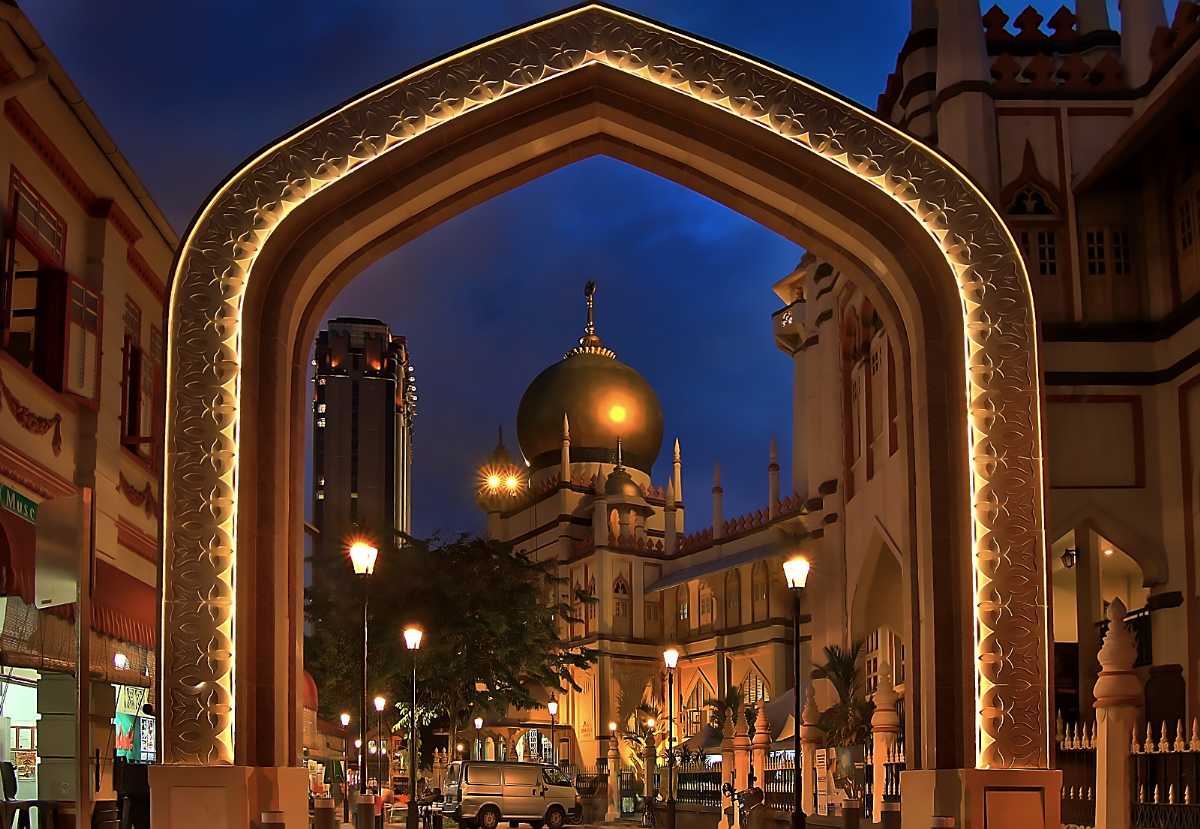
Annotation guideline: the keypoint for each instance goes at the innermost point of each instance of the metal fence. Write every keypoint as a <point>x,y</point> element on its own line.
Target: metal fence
<point>631,787</point>
<point>779,782</point>
<point>1076,758</point>
<point>1166,778</point>
<point>698,783</point>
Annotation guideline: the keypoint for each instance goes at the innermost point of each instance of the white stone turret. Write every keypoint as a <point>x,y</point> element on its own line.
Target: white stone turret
<point>1092,16</point>
<point>565,461</point>
<point>670,527</point>
<point>773,481</point>
<point>718,504</point>
<point>966,113</point>
<point>599,511</point>
<point>1139,19</point>
<point>924,15</point>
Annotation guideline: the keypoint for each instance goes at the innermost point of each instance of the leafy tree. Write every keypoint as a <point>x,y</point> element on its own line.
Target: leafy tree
<point>636,731</point>
<point>491,637</point>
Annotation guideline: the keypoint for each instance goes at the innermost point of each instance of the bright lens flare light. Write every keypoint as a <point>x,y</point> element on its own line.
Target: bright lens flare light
<point>795,570</point>
<point>617,413</point>
<point>501,481</point>
<point>412,637</point>
<point>362,555</point>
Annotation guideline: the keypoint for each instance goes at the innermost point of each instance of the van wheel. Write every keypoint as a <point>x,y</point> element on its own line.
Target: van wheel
<point>556,818</point>
<point>489,818</point>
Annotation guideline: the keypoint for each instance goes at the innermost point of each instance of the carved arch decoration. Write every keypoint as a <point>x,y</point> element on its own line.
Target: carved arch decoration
<point>217,262</point>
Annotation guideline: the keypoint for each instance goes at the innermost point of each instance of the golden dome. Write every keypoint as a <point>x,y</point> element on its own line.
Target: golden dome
<point>603,399</point>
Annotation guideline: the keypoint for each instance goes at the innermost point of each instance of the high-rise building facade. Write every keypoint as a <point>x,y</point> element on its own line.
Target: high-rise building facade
<point>362,432</point>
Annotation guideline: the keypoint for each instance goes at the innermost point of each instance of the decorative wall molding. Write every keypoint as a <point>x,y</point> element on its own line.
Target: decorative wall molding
<point>143,497</point>
<point>29,420</point>
<point>217,259</point>
<point>134,539</point>
<point>24,470</point>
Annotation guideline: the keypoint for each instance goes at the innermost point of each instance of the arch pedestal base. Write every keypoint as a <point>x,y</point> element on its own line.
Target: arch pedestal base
<point>978,798</point>
<point>226,797</point>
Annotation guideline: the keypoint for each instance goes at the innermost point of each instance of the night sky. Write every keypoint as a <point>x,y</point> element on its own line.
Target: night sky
<point>190,89</point>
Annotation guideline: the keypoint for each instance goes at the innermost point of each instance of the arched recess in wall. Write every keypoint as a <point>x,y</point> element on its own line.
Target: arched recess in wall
<point>877,616</point>
<point>1149,554</point>
<point>733,598</point>
<point>294,224</point>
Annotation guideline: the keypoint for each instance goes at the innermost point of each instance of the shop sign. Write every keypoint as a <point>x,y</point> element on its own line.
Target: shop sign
<point>131,698</point>
<point>18,504</point>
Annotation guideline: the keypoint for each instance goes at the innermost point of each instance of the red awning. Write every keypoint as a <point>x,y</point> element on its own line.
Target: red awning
<point>124,607</point>
<point>18,543</point>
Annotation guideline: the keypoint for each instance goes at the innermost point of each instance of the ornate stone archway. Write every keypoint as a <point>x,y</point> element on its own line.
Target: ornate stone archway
<point>796,124</point>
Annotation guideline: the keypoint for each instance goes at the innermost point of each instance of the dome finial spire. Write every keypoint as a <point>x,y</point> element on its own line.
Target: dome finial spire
<point>590,342</point>
<point>589,295</point>
<point>619,459</point>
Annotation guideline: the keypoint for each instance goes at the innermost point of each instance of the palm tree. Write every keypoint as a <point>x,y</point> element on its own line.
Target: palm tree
<point>719,707</point>
<point>635,732</point>
<point>848,721</point>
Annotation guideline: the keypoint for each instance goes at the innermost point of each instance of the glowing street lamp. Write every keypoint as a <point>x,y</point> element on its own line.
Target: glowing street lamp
<point>795,570</point>
<point>380,703</point>
<point>552,707</point>
<point>362,558</point>
<point>670,659</point>
<point>478,738</point>
<point>412,640</point>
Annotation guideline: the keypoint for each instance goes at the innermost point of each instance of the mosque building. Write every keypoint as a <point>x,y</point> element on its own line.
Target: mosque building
<point>590,429</point>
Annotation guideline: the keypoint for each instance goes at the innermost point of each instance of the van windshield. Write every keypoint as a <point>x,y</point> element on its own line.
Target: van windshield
<point>556,777</point>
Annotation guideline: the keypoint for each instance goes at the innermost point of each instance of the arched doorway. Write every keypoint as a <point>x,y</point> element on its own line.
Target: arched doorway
<point>290,228</point>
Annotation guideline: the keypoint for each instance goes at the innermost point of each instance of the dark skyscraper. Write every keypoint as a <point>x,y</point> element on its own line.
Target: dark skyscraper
<point>362,432</point>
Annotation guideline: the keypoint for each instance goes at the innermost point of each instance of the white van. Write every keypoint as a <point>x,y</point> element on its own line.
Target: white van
<point>481,794</point>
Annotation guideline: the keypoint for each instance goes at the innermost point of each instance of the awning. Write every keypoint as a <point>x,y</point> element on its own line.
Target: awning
<point>123,606</point>
<point>708,568</point>
<point>18,541</point>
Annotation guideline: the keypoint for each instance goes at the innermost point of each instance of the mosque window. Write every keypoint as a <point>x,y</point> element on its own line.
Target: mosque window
<point>682,610</point>
<point>622,619</point>
<point>1095,252</point>
<point>759,590</point>
<point>653,605</point>
<point>733,599</point>
<point>754,689</point>
<point>699,700</point>
<point>708,607</point>
<point>1039,247</point>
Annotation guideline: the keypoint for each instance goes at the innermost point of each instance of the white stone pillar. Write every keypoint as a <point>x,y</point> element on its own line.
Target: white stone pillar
<point>761,745</point>
<point>1118,695</point>
<point>741,753</point>
<point>885,726</point>
<point>810,738</point>
<point>650,765</point>
<point>614,780</point>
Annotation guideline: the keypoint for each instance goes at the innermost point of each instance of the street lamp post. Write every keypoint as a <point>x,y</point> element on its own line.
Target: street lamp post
<point>795,570</point>
<point>671,659</point>
<point>345,720</point>
<point>552,707</point>
<point>412,640</point>
<point>380,702</point>
<point>478,738</point>
<point>362,557</point>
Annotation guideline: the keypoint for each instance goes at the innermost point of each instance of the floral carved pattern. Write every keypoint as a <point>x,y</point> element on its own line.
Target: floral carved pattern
<point>30,422</point>
<point>143,498</point>
<point>219,255</point>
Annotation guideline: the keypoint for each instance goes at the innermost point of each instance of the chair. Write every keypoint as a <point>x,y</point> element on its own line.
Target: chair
<point>11,807</point>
